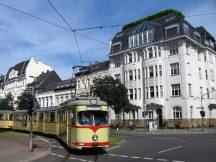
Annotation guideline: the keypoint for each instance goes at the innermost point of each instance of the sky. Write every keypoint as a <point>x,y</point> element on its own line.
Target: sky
<point>23,37</point>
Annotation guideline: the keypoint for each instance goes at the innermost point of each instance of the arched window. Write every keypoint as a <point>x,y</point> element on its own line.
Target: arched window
<point>177,112</point>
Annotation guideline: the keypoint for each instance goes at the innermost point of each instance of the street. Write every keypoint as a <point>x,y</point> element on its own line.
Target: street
<point>146,148</point>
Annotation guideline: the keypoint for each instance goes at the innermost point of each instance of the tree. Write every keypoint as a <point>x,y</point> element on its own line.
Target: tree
<point>114,93</point>
<point>25,101</point>
<point>7,102</point>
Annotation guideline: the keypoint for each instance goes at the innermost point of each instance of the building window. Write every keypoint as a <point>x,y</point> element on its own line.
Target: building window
<point>78,84</point>
<point>201,90</point>
<point>116,48</point>
<point>131,94</point>
<point>139,91</point>
<point>145,54</point>
<point>117,77</point>
<point>135,75</point>
<point>205,57</point>
<point>200,73</point>
<point>147,92</point>
<point>160,70</point>
<point>171,31</point>
<point>176,90</point>
<point>151,72</point>
<point>173,49</point>
<point>174,69</point>
<point>130,58</point>
<point>197,37</point>
<point>138,73</point>
<point>155,51</point>
<point>156,91</point>
<point>206,74</point>
<point>190,90</point>
<point>207,91</point>
<point>151,89</point>
<point>117,61</point>
<point>130,75</point>
<point>186,29</point>
<point>161,91</point>
<point>156,71</point>
<point>135,93</point>
<point>177,113</point>
<point>150,52</point>
<point>146,72</point>
<point>159,51</point>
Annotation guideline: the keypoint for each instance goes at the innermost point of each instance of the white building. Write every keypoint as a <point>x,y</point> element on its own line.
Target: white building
<point>22,74</point>
<point>85,77</point>
<point>57,93</point>
<point>2,78</point>
<point>166,64</point>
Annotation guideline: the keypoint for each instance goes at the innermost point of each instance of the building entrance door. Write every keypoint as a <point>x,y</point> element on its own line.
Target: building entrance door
<point>160,119</point>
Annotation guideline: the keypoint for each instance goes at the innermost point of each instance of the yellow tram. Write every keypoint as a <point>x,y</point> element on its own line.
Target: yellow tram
<point>6,119</point>
<point>80,122</point>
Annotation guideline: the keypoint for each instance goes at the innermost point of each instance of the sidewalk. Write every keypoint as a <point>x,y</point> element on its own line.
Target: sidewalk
<point>170,131</point>
<point>16,149</point>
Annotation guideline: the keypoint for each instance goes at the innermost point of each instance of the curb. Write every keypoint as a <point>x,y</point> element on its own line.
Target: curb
<point>40,154</point>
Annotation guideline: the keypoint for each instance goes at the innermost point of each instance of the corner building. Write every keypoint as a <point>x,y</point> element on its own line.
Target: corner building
<point>166,64</point>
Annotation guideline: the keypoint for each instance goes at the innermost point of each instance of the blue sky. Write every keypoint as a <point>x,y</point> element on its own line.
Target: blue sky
<point>22,37</point>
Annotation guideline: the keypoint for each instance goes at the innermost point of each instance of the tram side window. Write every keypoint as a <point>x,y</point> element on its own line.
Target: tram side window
<point>11,117</point>
<point>41,117</point>
<point>52,117</point>
<point>6,117</point>
<point>1,116</point>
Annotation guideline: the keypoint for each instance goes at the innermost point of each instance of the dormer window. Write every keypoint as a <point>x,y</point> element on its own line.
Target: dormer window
<point>171,31</point>
<point>116,47</point>
<point>197,37</point>
<point>186,29</point>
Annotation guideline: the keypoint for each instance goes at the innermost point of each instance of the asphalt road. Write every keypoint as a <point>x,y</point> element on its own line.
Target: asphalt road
<point>145,148</point>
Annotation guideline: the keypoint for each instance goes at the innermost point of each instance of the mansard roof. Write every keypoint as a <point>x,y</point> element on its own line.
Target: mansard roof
<point>159,26</point>
<point>99,66</point>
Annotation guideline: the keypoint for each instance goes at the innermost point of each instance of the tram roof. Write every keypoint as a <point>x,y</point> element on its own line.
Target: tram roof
<point>6,111</point>
<point>53,108</point>
<point>84,101</point>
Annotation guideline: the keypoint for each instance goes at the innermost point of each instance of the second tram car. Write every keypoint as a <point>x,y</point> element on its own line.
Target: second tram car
<point>80,123</point>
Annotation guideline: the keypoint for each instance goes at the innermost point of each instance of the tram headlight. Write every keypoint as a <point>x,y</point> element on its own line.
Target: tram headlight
<point>94,137</point>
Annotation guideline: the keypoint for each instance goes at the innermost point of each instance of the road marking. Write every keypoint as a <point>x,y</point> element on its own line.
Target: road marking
<point>81,159</point>
<point>162,160</point>
<point>135,157</point>
<point>72,158</point>
<point>177,161</point>
<point>173,148</point>
<point>60,155</point>
<point>57,146</point>
<point>52,154</point>
<point>147,158</point>
<point>123,156</point>
<point>112,148</point>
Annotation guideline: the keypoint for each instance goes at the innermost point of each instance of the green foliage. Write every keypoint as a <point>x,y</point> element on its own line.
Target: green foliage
<point>25,101</point>
<point>155,16</point>
<point>7,102</point>
<point>114,93</point>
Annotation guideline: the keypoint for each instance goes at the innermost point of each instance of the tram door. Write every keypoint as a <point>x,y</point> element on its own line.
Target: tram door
<point>63,125</point>
<point>72,121</point>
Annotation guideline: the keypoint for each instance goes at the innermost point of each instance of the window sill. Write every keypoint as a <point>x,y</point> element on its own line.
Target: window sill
<point>176,96</point>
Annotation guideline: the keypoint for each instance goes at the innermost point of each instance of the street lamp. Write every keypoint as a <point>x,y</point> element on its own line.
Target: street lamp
<point>32,116</point>
<point>202,112</point>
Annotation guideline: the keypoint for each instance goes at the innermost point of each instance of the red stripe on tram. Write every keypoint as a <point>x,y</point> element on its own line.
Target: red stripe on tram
<point>93,128</point>
<point>91,143</point>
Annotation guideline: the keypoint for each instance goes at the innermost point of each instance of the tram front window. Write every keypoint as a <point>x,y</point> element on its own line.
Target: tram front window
<point>93,118</point>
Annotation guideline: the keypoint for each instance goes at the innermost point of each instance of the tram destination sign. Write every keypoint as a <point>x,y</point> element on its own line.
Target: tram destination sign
<point>93,108</point>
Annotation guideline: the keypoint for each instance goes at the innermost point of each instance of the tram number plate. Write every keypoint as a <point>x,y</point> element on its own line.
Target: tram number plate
<point>94,108</point>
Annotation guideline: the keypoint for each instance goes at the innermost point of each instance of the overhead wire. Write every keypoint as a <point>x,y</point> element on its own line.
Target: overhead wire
<point>50,22</point>
<point>69,26</point>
